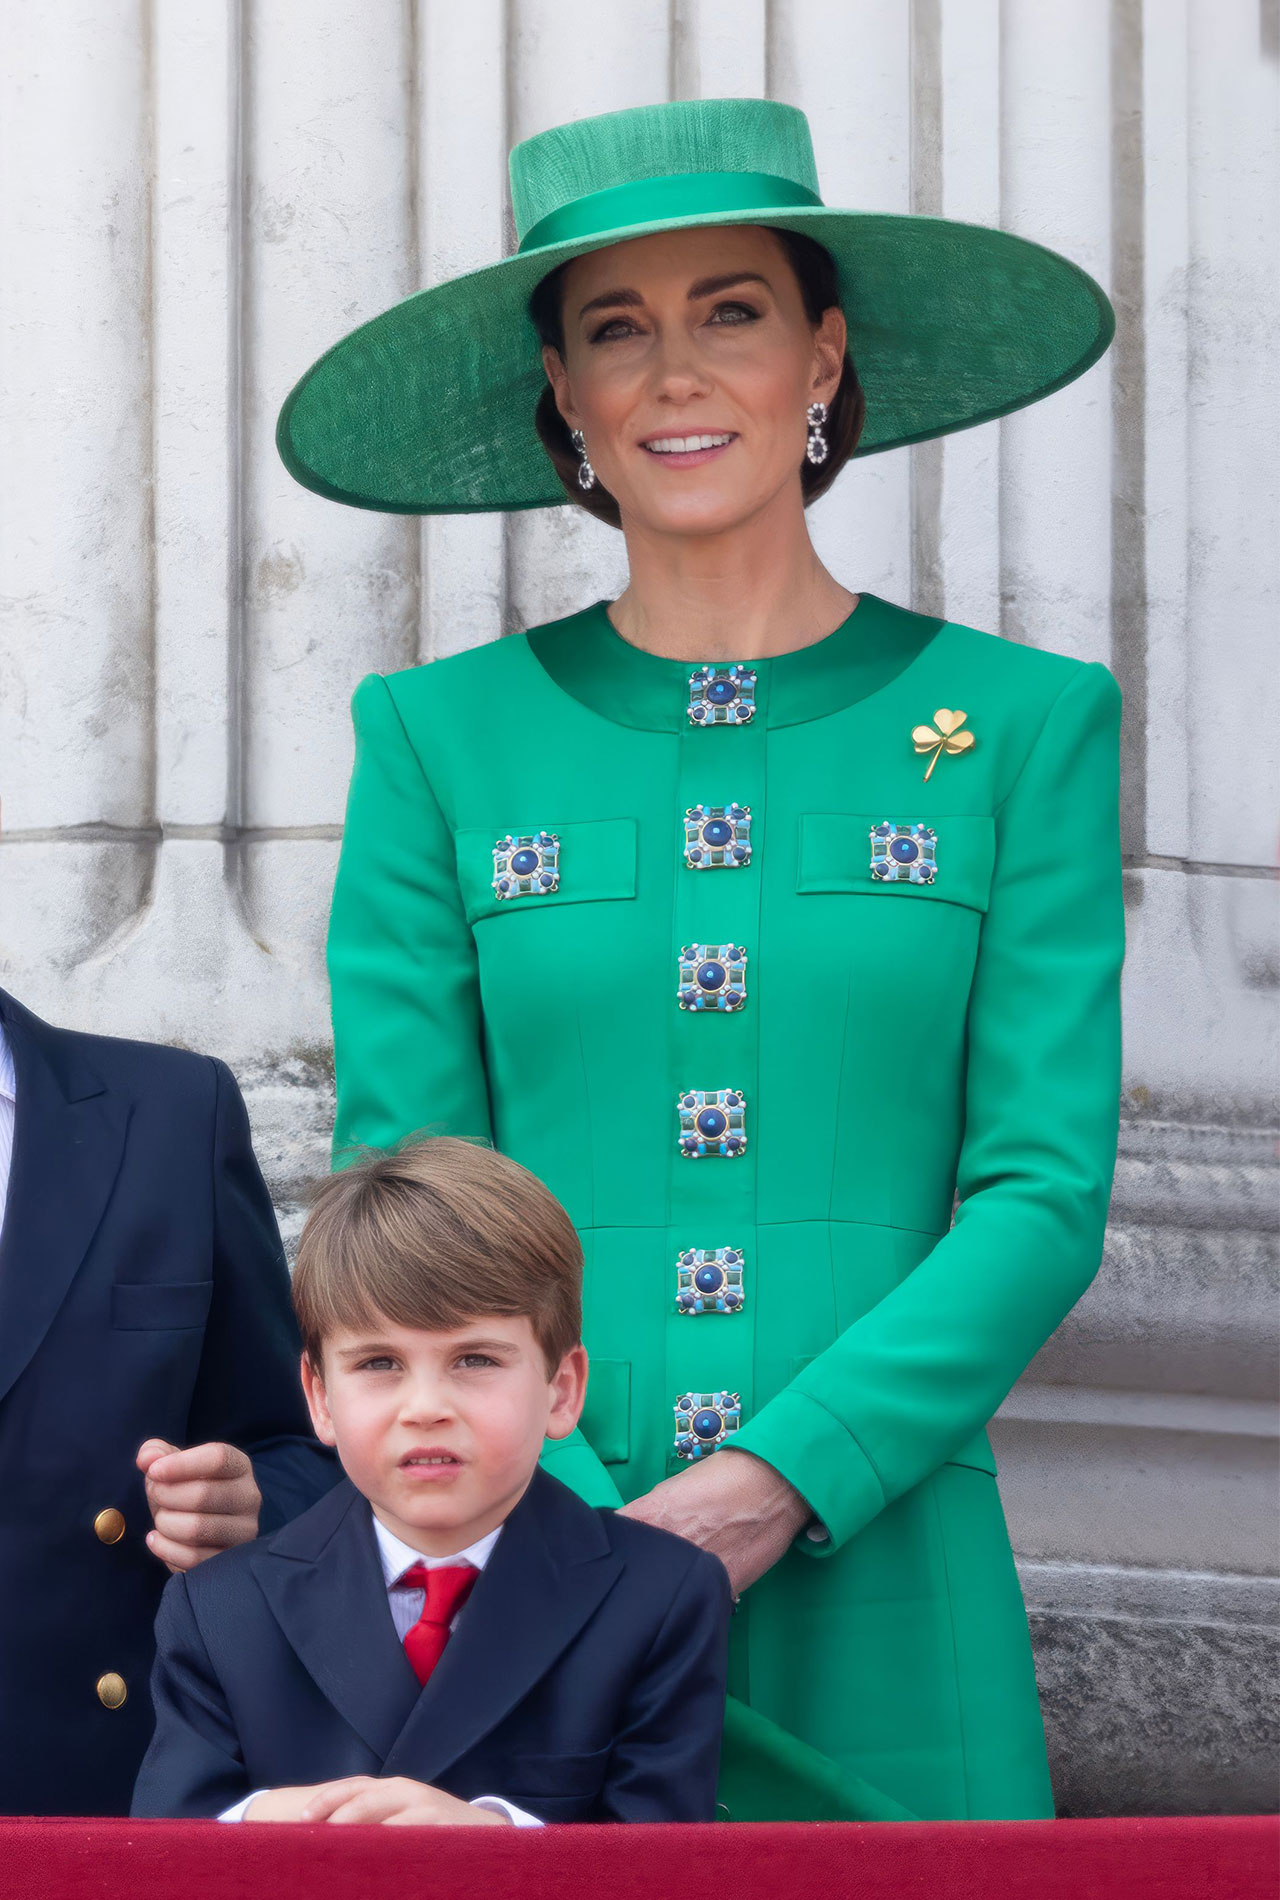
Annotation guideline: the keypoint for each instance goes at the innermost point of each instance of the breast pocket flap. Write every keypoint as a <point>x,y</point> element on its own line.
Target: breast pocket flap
<point>594,862</point>
<point>162,1307</point>
<point>953,866</point>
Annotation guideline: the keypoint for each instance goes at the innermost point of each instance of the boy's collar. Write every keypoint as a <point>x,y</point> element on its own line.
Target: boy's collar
<point>397,1556</point>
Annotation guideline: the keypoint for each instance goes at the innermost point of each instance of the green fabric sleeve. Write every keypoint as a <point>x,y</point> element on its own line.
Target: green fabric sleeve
<point>908,1384</point>
<point>402,966</point>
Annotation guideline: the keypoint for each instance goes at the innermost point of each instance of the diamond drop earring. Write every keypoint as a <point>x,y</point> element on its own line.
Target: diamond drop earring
<point>586,474</point>
<point>816,447</point>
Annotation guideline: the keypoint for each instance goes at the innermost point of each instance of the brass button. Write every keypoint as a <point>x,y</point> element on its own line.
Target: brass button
<point>113,1690</point>
<point>108,1526</point>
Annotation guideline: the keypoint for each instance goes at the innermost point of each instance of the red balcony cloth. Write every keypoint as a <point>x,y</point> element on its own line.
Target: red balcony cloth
<point>1180,1859</point>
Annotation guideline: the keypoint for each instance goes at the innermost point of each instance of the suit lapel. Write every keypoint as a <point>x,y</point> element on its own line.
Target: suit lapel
<point>549,1571</point>
<point>69,1137</point>
<point>323,1580</point>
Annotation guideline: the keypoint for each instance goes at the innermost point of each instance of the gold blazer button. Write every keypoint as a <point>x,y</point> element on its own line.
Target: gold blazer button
<point>108,1526</point>
<point>113,1690</point>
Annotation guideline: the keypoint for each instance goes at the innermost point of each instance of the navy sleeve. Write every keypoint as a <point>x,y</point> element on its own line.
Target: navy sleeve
<point>193,1768</point>
<point>248,1392</point>
<point>666,1758</point>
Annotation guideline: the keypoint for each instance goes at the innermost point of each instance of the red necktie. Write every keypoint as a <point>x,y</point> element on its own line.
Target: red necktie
<point>447,1589</point>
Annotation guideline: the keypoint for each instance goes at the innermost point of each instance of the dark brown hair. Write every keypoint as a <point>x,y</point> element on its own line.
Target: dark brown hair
<point>435,1234</point>
<point>819,282</point>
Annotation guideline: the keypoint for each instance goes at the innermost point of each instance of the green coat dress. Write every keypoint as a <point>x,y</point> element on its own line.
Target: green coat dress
<point>875,1162</point>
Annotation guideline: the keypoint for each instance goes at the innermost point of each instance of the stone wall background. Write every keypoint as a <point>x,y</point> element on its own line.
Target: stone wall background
<point>198,196</point>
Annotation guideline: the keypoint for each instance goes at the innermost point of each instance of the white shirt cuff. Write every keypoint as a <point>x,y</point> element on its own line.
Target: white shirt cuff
<point>495,1804</point>
<point>237,1813</point>
<point>492,1802</point>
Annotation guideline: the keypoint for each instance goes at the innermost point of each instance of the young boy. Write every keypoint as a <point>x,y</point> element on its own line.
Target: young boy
<point>450,1637</point>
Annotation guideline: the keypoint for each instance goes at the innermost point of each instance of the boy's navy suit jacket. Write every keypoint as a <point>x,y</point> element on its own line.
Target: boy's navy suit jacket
<point>143,1294</point>
<point>584,1681</point>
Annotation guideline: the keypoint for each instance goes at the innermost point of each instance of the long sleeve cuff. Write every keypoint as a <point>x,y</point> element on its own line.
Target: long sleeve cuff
<point>495,1804</point>
<point>809,1447</point>
<point>237,1812</point>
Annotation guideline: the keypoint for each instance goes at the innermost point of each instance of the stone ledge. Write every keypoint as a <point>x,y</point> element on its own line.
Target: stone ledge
<point>1131,1592</point>
<point>1180,1309</point>
<point>1151,1411</point>
<point>1159,1688</point>
<point>1134,1495</point>
<point>1180,1192</point>
<point>1250,1143</point>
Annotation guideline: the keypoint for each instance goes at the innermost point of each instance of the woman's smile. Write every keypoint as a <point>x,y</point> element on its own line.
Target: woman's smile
<point>689,450</point>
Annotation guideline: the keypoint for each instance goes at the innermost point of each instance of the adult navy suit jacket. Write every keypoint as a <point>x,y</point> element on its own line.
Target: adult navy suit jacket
<point>143,1294</point>
<point>584,1680</point>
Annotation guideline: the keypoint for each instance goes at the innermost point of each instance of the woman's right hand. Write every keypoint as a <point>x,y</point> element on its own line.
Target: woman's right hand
<point>734,1505</point>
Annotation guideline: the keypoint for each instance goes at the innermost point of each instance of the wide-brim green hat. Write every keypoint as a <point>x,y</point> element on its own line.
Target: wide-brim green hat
<point>429,408</point>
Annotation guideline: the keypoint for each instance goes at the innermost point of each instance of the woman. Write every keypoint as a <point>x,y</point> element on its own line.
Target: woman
<point>759,918</point>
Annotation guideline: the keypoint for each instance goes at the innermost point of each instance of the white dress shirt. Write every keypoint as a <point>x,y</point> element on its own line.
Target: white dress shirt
<point>406,1607</point>
<point>8,1110</point>
<point>397,1557</point>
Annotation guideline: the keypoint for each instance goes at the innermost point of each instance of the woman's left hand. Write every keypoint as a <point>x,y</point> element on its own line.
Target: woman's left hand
<point>734,1505</point>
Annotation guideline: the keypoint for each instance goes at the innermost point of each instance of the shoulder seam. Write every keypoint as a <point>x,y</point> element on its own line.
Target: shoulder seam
<point>1082,668</point>
<point>413,750</point>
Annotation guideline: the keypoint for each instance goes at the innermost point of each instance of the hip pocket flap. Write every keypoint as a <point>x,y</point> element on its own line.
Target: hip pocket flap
<point>547,1777</point>
<point>606,1416</point>
<point>870,854</point>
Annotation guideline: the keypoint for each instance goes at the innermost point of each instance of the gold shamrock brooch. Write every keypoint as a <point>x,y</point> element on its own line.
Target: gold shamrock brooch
<point>943,736</point>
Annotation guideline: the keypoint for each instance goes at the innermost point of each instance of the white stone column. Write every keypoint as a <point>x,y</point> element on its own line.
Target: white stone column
<point>330,592</point>
<point>1203,964</point>
<point>463,214</point>
<point>568,59</point>
<point>1055,507</point>
<point>968,531</point>
<point>848,68</point>
<point>719,49</point>
<point>77,661</point>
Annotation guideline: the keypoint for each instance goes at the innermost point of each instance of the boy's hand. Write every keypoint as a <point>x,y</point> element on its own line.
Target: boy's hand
<point>396,1801</point>
<point>202,1500</point>
<point>279,1804</point>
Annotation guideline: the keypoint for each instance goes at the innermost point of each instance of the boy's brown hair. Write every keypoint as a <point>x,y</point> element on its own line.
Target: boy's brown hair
<point>434,1234</point>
